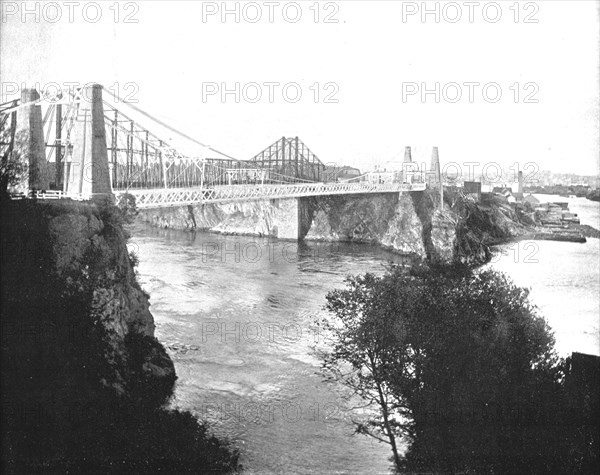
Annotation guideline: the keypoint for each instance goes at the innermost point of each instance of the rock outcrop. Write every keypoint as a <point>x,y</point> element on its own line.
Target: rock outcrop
<point>79,252</point>
<point>276,218</point>
<point>84,382</point>
<point>410,223</point>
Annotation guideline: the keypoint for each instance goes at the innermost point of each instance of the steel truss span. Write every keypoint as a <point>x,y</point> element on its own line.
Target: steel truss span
<point>290,157</point>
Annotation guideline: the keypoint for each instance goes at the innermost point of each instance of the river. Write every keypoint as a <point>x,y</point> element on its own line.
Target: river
<point>564,280</point>
<point>237,313</point>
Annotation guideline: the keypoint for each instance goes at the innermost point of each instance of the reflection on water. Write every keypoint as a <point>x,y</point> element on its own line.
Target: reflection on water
<point>237,316</point>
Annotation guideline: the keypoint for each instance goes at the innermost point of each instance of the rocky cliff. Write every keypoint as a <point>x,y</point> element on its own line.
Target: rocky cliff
<point>385,219</point>
<point>410,224</point>
<point>84,381</point>
<point>79,251</point>
<point>276,218</point>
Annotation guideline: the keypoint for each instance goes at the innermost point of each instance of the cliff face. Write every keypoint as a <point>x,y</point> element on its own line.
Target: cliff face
<point>275,218</point>
<point>410,224</point>
<point>84,381</point>
<point>384,219</point>
<point>70,262</point>
<point>120,302</point>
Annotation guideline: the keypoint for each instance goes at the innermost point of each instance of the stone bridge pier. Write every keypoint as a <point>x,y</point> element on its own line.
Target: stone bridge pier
<point>88,173</point>
<point>29,138</point>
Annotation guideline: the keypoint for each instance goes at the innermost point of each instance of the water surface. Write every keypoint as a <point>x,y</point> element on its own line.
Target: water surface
<point>564,279</point>
<point>237,316</point>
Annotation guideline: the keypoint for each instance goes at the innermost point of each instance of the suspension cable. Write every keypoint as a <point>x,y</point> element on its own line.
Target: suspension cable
<point>172,129</point>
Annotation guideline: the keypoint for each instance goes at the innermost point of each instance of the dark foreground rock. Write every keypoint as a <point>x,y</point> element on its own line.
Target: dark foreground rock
<point>84,380</point>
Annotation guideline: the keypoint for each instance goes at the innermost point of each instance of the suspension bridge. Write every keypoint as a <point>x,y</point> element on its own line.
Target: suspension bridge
<point>81,146</point>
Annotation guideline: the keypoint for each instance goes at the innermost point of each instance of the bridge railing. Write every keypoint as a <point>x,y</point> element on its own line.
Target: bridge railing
<point>54,195</point>
<point>168,197</point>
<point>177,197</point>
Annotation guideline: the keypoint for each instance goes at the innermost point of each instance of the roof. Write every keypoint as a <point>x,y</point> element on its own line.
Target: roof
<point>531,199</point>
<point>342,169</point>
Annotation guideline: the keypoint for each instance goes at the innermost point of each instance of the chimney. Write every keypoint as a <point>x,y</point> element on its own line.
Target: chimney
<point>435,169</point>
<point>520,189</point>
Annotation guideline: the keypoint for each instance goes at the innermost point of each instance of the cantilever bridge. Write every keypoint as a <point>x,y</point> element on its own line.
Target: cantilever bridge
<point>82,146</point>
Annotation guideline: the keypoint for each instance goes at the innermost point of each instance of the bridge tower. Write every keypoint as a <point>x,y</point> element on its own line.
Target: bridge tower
<point>30,137</point>
<point>406,168</point>
<point>434,171</point>
<point>435,174</point>
<point>88,171</point>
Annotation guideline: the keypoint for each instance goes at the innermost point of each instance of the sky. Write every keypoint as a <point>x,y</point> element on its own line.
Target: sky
<point>360,67</point>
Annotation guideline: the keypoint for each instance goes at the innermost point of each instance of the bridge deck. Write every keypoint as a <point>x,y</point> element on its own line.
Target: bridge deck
<point>161,198</point>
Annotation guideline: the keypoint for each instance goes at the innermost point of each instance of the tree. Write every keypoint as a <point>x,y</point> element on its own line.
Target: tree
<point>362,358</point>
<point>465,366</point>
<point>12,168</point>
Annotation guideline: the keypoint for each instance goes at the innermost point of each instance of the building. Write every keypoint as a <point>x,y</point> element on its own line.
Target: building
<point>502,190</point>
<point>380,177</point>
<point>511,196</point>
<point>345,173</point>
<point>473,189</point>
<point>531,200</point>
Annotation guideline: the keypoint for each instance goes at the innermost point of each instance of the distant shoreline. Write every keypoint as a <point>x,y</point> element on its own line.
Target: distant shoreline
<point>591,195</point>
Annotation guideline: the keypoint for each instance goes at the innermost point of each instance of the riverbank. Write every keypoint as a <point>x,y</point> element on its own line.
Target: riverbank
<point>535,221</point>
